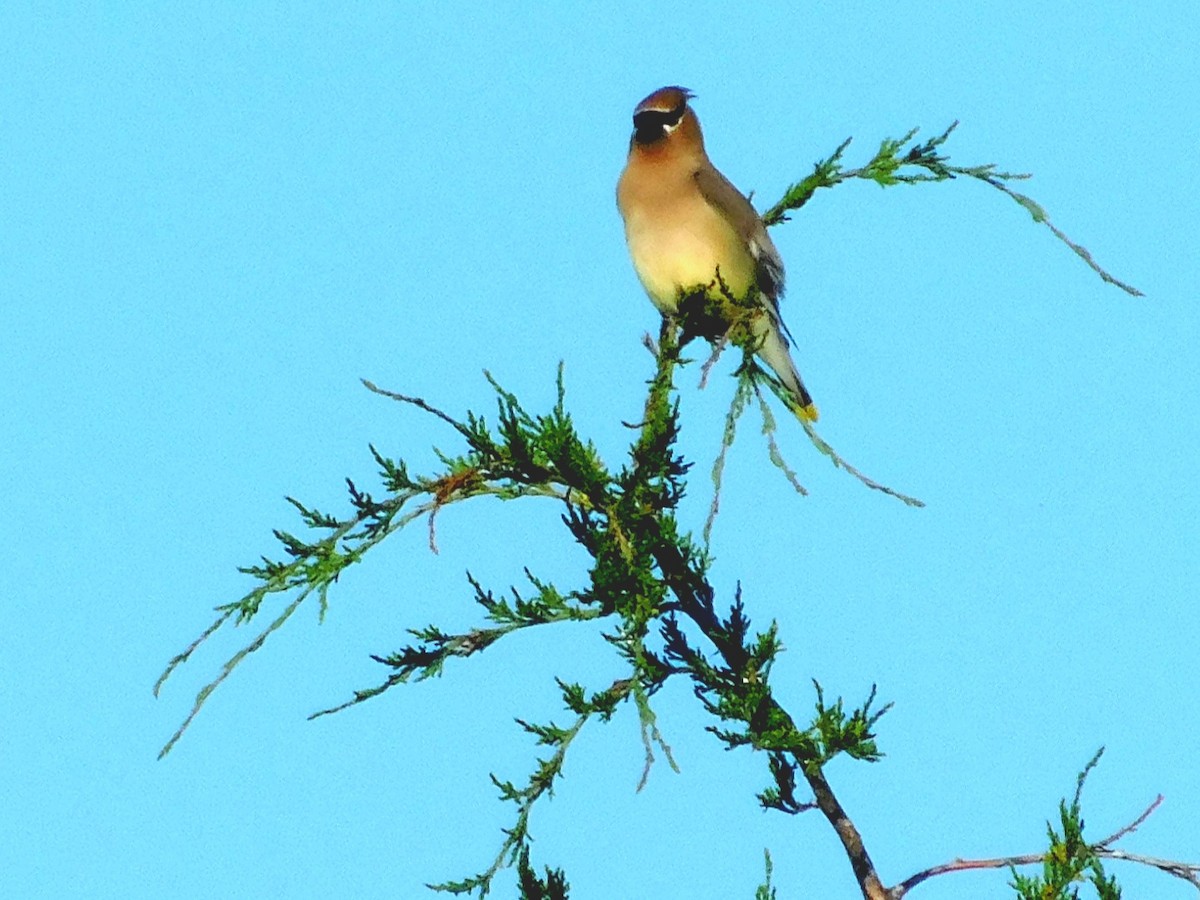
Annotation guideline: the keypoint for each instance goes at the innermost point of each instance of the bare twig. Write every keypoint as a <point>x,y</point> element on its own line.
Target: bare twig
<point>417,402</point>
<point>433,547</point>
<point>1189,872</point>
<point>718,346</point>
<point>822,445</point>
<point>230,665</point>
<point>1132,826</point>
<point>1039,216</point>
<point>183,656</point>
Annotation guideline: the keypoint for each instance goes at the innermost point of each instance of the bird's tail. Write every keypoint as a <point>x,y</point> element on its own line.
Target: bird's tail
<point>774,352</point>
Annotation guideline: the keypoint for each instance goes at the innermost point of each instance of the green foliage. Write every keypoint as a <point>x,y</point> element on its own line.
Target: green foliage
<point>920,163</point>
<point>648,581</point>
<point>647,578</point>
<point>554,887</point>
<point>541,782</point>
<point>1069,860</point>
<point>764,890</point>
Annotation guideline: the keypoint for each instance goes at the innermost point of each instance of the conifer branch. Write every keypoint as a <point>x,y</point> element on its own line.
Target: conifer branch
<point>922,162</point>
<point>1068,861</point>
<point>648,580</point>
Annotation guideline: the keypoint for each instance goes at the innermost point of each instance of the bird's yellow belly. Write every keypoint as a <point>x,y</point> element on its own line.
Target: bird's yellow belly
<point>669,261</point>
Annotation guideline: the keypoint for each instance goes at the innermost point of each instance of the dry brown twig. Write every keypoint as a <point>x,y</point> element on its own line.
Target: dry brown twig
<point>1188,872</point>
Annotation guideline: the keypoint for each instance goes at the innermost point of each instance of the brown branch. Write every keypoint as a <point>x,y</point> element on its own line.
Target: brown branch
<point>864,870</point>
<point>695,600</point>
<point>420,404</point>
<point>1187,871</point>
<point>963,865</point>
<point>1132,826</point>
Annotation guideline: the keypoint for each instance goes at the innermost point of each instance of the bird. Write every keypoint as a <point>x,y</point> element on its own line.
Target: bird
<point>692,234</point>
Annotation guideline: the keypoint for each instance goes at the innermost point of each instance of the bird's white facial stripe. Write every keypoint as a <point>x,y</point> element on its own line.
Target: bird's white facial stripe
<point>652,123</point>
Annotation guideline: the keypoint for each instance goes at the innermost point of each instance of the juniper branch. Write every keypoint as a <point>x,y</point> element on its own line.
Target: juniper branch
<point>532,456</point>
<point>1069,860</point>
<point>923,162</point>
<point>426,659</point>
<point>647,574</point>
<point>541,782</point>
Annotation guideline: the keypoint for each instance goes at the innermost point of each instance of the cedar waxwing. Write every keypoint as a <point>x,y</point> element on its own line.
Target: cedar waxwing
<point>692,233</point>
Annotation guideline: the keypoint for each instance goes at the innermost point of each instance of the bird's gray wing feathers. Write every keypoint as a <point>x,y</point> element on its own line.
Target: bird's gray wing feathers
<point>738,212</point>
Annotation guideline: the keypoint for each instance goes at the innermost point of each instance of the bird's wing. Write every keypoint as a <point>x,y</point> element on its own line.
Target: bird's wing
<point>740,213</point>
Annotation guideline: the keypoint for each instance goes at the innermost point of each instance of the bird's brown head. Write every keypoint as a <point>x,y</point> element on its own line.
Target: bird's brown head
<point>664,118</point>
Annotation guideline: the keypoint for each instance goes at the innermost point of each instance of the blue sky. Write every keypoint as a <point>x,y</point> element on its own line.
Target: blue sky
<point>213,223</point>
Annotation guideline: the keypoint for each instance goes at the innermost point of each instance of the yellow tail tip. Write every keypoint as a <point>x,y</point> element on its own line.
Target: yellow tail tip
<point>806,412</point>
